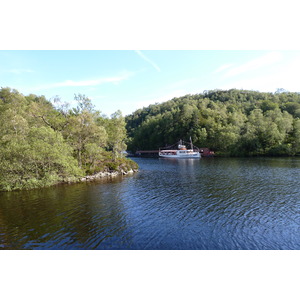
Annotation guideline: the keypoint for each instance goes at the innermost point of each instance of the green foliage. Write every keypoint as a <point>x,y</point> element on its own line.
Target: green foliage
<point>41,145</point>
<point>121,164</point>
<point>116,131</point>
<point>233,122</point>
<point>36,159</point>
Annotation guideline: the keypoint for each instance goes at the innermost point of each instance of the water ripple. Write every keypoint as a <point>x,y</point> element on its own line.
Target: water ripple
<point>203,204</point>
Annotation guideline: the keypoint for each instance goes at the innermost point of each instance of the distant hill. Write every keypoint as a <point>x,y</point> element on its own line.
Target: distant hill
<point>230,122</point>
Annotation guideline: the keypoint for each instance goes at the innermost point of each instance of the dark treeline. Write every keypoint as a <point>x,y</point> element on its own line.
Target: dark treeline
<point>43,143</point>
<point>232,122</point>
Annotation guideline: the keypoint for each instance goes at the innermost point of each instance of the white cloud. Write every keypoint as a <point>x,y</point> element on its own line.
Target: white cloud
<point>89,82</point>
<point>92,82</point>
<point>145,58</point>
<point>268,59</point>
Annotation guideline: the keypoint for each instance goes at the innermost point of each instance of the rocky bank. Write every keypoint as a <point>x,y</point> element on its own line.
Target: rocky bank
<point>107,174</point>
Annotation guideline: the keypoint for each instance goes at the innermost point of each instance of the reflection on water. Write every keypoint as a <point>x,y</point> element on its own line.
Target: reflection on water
<point>169,204</point>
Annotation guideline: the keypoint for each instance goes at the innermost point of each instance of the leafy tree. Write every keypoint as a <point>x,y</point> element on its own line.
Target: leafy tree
<point>35,159</point>
<point>116,134</point>
<point>81,130</point>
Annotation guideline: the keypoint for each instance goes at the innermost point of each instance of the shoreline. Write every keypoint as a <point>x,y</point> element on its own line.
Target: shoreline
<point>88,178</point>
<point>107,174</point>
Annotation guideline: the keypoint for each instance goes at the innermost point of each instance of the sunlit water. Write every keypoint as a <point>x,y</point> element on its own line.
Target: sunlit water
<point>217,203</point>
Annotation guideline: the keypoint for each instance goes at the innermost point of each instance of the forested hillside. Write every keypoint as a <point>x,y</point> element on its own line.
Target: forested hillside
<point>43,143</point>
<point>232,122</point>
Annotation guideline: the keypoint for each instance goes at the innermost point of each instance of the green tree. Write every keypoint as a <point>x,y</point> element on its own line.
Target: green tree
<point>116,134</point>
<point>36,158</point>
<point>82,129</point>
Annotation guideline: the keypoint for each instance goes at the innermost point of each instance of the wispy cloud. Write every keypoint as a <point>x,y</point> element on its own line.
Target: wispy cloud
<point>285,76</point>
<point>89,82</point>
<point>145,58</point>
<point>92,82</point>
<point>267,59</point>
<point>222,68</point>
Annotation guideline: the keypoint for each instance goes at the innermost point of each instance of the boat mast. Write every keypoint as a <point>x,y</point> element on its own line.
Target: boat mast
<point>191,143</point>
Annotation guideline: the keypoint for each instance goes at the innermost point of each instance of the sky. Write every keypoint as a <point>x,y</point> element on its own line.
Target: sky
<point>127,80</point>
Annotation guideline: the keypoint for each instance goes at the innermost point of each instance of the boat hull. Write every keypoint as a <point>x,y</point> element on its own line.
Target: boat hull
<point>181,152</point>
<point>176,156</point>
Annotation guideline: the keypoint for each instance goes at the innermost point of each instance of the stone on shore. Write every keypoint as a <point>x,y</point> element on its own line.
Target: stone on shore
<point>106,174</point>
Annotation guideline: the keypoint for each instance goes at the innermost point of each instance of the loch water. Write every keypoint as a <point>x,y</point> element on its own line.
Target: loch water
<point>210,203</point>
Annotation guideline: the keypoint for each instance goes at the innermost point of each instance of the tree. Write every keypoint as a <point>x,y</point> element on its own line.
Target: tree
<point>116,134</point>
<point>36,157</point>
<point>295,138</point>
<point>81,130</point>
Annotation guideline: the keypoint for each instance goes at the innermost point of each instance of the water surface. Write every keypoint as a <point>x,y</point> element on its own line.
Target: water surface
<point>218,203</point>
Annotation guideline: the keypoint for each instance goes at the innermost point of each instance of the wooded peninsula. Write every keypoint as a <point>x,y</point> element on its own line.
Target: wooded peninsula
<point>45,142</point>
<point>230,122</point>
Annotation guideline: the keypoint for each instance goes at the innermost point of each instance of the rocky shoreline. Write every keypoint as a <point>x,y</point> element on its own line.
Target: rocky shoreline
<point>107,174</point>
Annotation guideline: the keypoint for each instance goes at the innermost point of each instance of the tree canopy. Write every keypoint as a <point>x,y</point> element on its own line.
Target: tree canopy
<point>231,122</point>
<point>43,143</point>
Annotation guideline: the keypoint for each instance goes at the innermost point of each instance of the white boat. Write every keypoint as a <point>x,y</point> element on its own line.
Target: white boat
<point>181,152</point>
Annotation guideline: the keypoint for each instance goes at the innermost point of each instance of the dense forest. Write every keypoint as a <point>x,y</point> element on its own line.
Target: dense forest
<point>45,142</point>
<point>230,122</point>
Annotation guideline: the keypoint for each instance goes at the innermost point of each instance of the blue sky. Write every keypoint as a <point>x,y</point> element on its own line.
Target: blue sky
<point>131,79</point>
